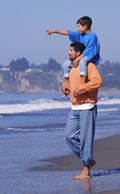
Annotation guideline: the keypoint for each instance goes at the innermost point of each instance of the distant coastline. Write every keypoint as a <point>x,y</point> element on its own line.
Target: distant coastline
<point>20,77</point>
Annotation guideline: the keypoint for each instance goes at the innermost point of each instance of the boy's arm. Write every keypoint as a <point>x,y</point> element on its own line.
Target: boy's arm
<point>76,61</point>
<point>62,32</point>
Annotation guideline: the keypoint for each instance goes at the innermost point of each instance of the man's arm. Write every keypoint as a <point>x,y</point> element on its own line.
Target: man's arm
<point>94,81</point>
<point>62,32</point>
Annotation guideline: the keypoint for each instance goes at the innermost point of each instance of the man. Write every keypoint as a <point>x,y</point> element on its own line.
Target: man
<point>80,126</point>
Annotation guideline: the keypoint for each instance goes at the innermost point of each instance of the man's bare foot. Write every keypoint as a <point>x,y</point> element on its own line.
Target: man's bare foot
<point>81,176</point>
<point>84,175</point>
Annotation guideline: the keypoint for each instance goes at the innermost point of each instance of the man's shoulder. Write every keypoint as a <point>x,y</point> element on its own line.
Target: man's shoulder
<point>92,66</point>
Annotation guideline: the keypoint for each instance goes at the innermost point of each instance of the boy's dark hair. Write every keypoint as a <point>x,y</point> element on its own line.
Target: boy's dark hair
<point>85,20</point>
<point>78,46</point>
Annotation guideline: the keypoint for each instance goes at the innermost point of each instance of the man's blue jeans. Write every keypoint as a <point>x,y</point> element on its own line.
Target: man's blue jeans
<point>80,131</point>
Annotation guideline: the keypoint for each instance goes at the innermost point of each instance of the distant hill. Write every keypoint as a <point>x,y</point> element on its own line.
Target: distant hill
<point>34,81</point>
<point>110,73</point>
<point>48,77</point>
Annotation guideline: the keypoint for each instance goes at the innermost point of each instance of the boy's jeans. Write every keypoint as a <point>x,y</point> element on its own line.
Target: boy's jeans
<point>80,131</point>
<point>67,65</point>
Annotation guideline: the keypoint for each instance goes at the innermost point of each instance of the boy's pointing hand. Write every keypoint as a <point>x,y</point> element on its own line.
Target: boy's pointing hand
<point>49,32</point>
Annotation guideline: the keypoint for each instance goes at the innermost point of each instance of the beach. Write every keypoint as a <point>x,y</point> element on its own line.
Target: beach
<point>34,156</point>
<point>22,172</point>
<point>106,154</point>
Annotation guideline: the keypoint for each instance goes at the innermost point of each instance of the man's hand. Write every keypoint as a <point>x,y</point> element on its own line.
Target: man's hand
<point>77,92</point>
<point>49,32</point>
<point>65,89</point>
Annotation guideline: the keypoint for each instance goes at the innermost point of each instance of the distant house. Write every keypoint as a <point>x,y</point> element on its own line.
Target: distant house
<point>28,70</point>
<point>33,69</point>
<point>4,69</point>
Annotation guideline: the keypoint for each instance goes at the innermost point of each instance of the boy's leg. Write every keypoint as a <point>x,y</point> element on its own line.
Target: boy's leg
<point>83,68</point>
<point>66,68</point>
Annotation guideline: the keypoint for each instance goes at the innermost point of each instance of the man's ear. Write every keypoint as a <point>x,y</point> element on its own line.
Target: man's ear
<point>78,53</point>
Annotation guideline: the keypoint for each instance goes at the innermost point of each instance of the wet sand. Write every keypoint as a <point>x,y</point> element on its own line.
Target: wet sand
<point>106,154</point>
<point>110,192</point>
<point>21,170</point>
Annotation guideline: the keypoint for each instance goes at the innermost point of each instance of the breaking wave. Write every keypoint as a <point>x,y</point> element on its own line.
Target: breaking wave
<point>47,104</point>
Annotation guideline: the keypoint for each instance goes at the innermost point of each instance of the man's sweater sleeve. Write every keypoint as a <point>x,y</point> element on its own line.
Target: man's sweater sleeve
<point>94,79</point>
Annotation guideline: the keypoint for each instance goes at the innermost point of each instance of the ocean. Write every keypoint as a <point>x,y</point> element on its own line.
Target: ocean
<point>49,112</point>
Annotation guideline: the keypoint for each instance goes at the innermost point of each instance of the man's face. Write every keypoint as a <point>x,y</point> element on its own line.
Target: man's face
<point>73,54</point>
<point>82,29</point>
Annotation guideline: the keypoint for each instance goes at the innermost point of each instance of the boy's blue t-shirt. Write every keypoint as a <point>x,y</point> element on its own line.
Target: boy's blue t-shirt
<point>91,42</point>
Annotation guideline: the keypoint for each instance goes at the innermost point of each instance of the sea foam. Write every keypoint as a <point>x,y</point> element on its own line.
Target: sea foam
<point>48,104</point>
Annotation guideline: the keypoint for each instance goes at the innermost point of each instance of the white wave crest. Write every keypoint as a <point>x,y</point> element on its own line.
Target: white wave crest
<point>38,105</point>
<point>43,104</point>
<point>108,101</point>
<point>108,109</point>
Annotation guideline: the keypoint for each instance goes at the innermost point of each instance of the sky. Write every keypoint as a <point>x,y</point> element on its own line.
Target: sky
<point>23,24</point>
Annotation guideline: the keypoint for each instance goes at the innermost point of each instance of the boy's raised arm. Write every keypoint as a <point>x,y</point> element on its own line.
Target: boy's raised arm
<point>62,32</point>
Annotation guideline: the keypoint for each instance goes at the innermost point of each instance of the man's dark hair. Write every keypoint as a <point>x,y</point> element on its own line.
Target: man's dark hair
<point>85,20</point>
<point>78,46</point>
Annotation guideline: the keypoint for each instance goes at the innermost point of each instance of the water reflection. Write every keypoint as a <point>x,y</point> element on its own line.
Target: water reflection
<point>86,185</point>
<point>94,184</point>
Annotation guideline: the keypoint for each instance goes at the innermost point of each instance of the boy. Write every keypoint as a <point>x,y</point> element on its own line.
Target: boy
<point>89,39</point>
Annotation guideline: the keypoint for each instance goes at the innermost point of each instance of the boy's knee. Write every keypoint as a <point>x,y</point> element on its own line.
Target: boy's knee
<point>66,63</point>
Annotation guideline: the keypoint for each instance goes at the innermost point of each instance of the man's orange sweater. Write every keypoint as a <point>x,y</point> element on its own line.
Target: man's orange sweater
<point>90,88</point>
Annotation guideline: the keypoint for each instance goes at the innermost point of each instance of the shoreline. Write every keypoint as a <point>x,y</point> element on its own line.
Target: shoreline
<point>105,154</point>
